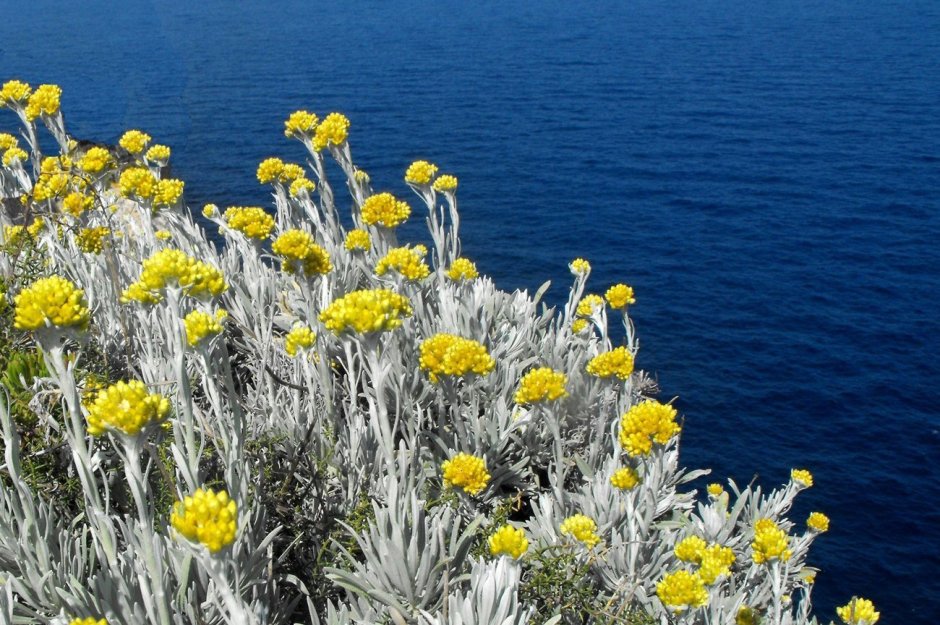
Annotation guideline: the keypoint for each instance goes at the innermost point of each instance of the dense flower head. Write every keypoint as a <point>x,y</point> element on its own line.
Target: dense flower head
<point>691,549</point>
<point>88,621</point>
<point>290,172</point>
<point>300,124</point>
<point>462,269</point>
<point>94,160</point>
<point>299,338</point>
<point>581,528</point>
<point>14,92</point>
<point>270,170</point>
<point>15,235</point>
<point>201,325</point>
<point>158,153</point>
<point>802,477</point>
<point>770,542</point>
<point>406,261</point>
<point>91,240</point>
<point>445,183</point>
<point>8,141</point>
<point>34,229</point>
<point>252,221</point>
<point>300,254</point>
<point>817,521</point>
<point>580,267</point>
<point>625,478</point>
<point>50,186</point>
<point>361,176</point>
<point>615,363</point>
<point>579,325</point>
<point>302,185</point>
<point>14,154</point>
<point>466,472</point>
<point>333,130</point>
<point>715,490</point>
<point>619,296</point>
<point>134,141</point>
<point>646,423</point>
<point>43,101</point>
<point>168,192</point>
<point>682,590</point>
<point>370,310</point>
<point>208,517</point>
<point>210,210</point>
<point>52,301</point>
<point>541,384</point>
<point>125,407</point>
<point>420,172</point>
<point>169,268</point>
<point>358,240</point>
<point>383,209</point>
<point>590,305</point>
<point>858,611</point>
<point>509,541</point>
<point>715,562</point>
<point>137,182</point>
<point>452,355</point>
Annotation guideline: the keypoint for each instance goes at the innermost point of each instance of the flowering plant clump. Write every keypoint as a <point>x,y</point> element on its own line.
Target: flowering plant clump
<point>306,421</point>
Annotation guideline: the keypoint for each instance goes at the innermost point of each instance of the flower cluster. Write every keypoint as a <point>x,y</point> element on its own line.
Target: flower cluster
<point>270,170</point>
<point>802,478</point>
<point>466,472</point>
<point>14,92</point>
<point>580,267</point>
<point>88,621</point>
<point>169,268</point>
<point>168,192</point>
<point>541,384</point>
<point>299,338</point>
<point>14,155</point>
<point>137,182</point>
<point>91,240</point>
<point>252,221</point>
<point>615,363</point>
<point>201,325</point>
<point>158,154</point>
<point>125,407</point>
<point>462,269</point>
<point>134,141</point>
<point>770,542</point>
<point>420,172</point>
<point>509,541</point>
<point>76,203</point>
<point>357,240</point>
<point>300,254</point>
<point>208,517</point>
<point>52,301</point>
<point>300,124</point>
<point>715,562</point>
<point>43,101</point>
<point>646,423</point>
<point>445,183</point>
<point>682,590</point>
<point>333,130</point>
<point>625,478</point>
<point>582,528</point>
<point>818,522</point>
<point>858,612</point>
<point>95,160</point>
<point>619,296</point>
<point>406,261</point>
<point>370,310</point>
<point>452,355</point>
<point>590,305</point>
<point>301,186</point>
<point>383,209</point>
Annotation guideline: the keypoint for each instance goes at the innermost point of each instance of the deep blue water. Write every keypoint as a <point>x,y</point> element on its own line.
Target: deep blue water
<point>765,174</point>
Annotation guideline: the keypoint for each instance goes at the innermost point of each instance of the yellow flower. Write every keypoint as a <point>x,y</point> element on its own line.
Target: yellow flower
<point>384,210</point>
<point>14,154</point>
<point>746,616</point>
<point>406,261</point>
<point>802,477</point>
<point>200,325</point>
<point>462,269</point>
<point>682,590</point>
<point>858,612</point>
<point>88,621</point>
<point>619,296</point>
<point>358,240</point>
<point>452,355</point>
<point>137,181</point>
<point>125,407</point>
<point>50,186</point>
<point>302,185</point>
<point>541,384</point>
<point>625,478</point>
<point>333,130</point>
<point>580,267</point>
<point>579,325</point>
<point>372,310</point>
<point>14,92</point>
<point>691,549</point>
<point>163,235</point>
<point>300,124</point>
<point>158,153</point>
<point>590,304</point>
<point>290,172</point>
<point>715,490</point>
<point>91,240</point>
<point>818,521</point>
<point>508,540</point>
<point>169,268</point>
<point>15,235</point>
<point>252,221</point>
<point>770,542</point>
<point>94,160</point>
<point>445,183</point>
<point>52,301</point>
<point>8,141</point>
<point>269,170</point>
<point>646,423</point>
<point>168,192</point>
<point>420,172</point>
<point>43,101</point>
<point>210,210</point>
<point>208,517</point>
<point>300,337</point>
<point>361,177</point>
<point>617,362</point>
<point>466,472</point>
<point>299,253</point>
<point>134,141</point>
<point>582,528</point>
<point>716,562</point>
<point>36,227</point>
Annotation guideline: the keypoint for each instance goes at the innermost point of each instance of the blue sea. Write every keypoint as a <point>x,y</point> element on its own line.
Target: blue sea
<point>765,174</point>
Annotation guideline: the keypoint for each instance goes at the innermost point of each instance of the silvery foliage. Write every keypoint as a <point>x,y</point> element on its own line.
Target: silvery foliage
<point>351,418</point>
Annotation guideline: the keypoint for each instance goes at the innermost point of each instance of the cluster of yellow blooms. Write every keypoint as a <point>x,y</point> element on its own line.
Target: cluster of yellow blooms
<point>619,296</point>
<point>420,172</point>
<point>770,542</point>
<point>582,528</point>
<point>270,170</point>
<point>452,355</point>
<point>406,261</point>
<point>76,203</point>
<point>137,182</point>
<point>134,141</point>
<point>300,186</point>
<point>682,590</point>
<point>208,517</point>
<point>466,472</point>
<point>818,522</point>
<point>300,337</point>
<point>510,541</point>
<point>617,362</point>
<point>369,310</point>
<point>91,240</point>
<point>715,490</point>
<point>14,154</point>
<point>43,101</point>
<point>170,268</point>
<point>8,141</point>
<point>200,325</point>
<point>333,130</point>
<point>52,301</point>
<point>168,192</point>
<point>462,269</point>
<point>14,92</point>
<point>300,124</point>
<point>541,384</point>
<point>300,254</point>
<point>88,621</point>
<point>590,304</point>
<point>714,560</point>
<point>858,611</point>
<point>625,478</point>
<point>125,407</point>
<point>802,477</point>
<point>383,209</point>
<point>580,267</point>
<point>646,423</point>
<point>252,221</point>
<point>158,153</point>
<point>357,240</point>
<point>445,183</point>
